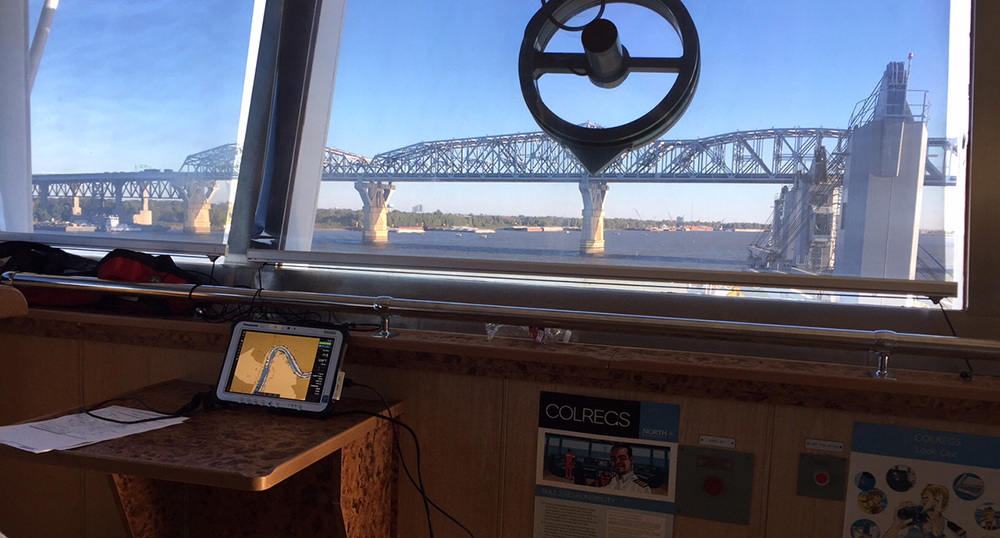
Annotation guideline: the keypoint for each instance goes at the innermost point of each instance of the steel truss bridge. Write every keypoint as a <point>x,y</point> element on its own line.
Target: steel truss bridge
<point>769,156</point>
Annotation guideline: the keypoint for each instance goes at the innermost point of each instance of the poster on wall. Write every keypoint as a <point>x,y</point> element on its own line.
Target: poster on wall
<point>915,483</point>
<point>606,468</point>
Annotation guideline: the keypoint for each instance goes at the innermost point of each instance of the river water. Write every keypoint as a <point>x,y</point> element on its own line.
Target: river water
<point>709,251</point>
<point>720,251</point>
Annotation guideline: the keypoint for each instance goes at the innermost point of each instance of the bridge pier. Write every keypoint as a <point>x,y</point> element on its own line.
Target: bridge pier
<point>197,215</point>
<point>144,216</point>
<point>43,196</point>
<point>592,238</point>
<point>119,195</point>
<point>375,200</point>
<point>77,210</point>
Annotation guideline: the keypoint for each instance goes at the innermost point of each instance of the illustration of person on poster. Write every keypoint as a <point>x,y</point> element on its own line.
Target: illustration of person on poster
<point>986,516</point>
<point>918,483</point>
<point>927,519</point>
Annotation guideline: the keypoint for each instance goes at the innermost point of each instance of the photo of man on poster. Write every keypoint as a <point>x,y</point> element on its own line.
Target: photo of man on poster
<point>624,479</point>
<point>613,466</point>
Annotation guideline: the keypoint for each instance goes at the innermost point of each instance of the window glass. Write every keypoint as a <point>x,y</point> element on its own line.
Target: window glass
<point>134,118</point>
<point>818,141</point>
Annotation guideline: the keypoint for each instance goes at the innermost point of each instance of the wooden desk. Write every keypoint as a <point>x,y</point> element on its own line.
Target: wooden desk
<point>248,472</point>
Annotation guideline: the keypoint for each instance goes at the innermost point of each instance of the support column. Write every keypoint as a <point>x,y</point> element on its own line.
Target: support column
<point>144,216</point>
<point>43,196</point>
<point>375,197</point>
<point>119,195</point>
<point>592,239</point>
<point>77,210</point>
<point>196,219</point>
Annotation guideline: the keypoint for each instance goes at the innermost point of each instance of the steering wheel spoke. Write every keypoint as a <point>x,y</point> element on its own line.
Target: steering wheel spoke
<point>559,63</point>
<point>659,65</point>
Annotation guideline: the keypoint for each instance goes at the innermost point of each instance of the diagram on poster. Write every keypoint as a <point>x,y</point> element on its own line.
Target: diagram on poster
<point>605,468</point>
<point>915,483</point>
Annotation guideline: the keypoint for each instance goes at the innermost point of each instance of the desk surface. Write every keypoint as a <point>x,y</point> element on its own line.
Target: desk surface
<point>240,448</point>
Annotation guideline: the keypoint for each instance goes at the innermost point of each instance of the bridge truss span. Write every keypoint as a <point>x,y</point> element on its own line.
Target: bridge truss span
<point>766,156</point>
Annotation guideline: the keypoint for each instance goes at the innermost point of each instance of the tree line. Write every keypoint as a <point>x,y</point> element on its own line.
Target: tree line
<point>170,214</point>
<point>337,219</point>
<point>166,213</point>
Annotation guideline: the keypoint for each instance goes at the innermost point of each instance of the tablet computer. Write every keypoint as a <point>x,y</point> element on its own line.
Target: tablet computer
<point>282,366</point>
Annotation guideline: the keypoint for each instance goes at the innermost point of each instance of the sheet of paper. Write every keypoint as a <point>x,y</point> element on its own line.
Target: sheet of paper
<point>72,431</point>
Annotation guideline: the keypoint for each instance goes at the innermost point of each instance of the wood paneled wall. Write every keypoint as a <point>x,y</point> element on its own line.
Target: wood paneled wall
<point>43,375</point>
<point>476,418</point>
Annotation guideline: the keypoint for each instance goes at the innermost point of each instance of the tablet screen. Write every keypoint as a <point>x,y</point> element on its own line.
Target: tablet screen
<point>278,363</point>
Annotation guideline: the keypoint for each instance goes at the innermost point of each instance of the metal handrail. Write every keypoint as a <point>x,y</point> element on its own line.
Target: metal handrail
<point>881,342</point>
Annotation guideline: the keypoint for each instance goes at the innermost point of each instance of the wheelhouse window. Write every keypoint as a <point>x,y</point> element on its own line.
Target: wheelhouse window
<point>135,113</point>
<point>824,138</point>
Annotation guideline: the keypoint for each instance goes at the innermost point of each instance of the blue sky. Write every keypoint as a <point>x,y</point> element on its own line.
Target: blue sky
<point>138,83</point>
<point>147,83</point>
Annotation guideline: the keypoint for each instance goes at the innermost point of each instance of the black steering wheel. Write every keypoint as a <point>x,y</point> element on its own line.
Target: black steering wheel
<point>597,148</point>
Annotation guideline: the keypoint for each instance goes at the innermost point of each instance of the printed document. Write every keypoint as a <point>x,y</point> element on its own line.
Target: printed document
<point>72,431</point>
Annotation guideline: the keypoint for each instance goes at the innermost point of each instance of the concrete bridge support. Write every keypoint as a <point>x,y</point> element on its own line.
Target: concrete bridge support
<point>43,196</point>
<point>197,214</point>
<point>119,196</point>
<point>592,239</point>
<point>375,199</point>
<point>144,216</point>
<point>77,210</point>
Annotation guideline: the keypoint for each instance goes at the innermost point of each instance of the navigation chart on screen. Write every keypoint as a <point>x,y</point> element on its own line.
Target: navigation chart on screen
<point>275,365</point>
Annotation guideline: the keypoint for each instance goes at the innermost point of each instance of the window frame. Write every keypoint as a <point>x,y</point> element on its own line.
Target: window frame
<point>378,265</point>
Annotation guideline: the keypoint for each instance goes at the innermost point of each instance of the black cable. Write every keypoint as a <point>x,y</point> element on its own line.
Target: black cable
<point>253,299</point>
<point>395,439</point>
<point>552,19</point>
<point>184,410</point>
<point>430,530</point>
<point>349,383</point>
<point>191,293</point>
<point>966,375</point>
<point>198,399</point>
